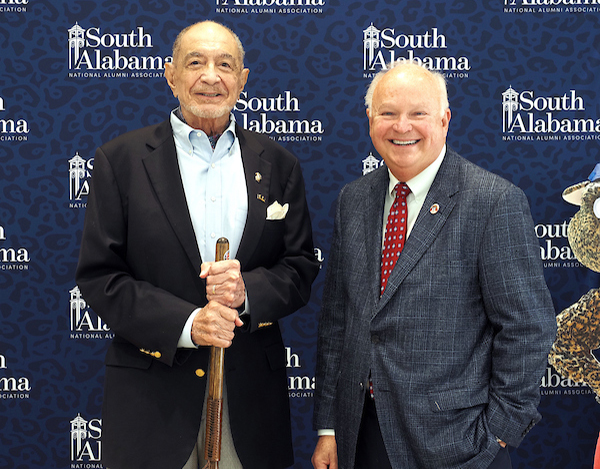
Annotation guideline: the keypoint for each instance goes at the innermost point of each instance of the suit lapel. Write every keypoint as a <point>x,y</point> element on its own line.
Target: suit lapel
<point>428,224</point>
<point>258,180</point>
<point>163,171</point>
<point>373,223</point>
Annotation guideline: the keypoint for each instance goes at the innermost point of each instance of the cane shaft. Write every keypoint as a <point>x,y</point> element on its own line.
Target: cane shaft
<point>214,407</point>
<point>214,403</point>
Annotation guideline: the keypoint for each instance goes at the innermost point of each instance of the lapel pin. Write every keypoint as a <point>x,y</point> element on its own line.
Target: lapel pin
<point>260,197</point>
<point>435,208</point>
<point>257,176</point>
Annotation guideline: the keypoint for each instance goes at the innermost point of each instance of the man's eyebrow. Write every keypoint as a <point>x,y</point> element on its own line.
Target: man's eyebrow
<point>224,55</point>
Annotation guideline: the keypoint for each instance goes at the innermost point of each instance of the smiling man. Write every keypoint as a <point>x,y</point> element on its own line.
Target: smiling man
<point>161,196</point>
<point>436,320</point>
<point>210,50</point>
<point>408,115</point>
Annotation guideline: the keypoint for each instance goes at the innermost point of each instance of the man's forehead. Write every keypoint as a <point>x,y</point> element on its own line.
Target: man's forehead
<point>204,44</point>
<point>402,92</point>
<point>209,34</point>
<point>397,98</point>
<point>401,79</point>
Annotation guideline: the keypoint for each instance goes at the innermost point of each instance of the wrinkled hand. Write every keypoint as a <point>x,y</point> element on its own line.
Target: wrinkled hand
<point>325,455</point>
<point>224,283</point>
<point>214,325</point>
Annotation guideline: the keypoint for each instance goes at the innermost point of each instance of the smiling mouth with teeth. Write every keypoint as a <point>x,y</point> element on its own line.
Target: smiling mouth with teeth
<point>404,143</point>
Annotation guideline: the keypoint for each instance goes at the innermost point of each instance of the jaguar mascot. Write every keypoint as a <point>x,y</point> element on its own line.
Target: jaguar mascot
<point>579,325</point>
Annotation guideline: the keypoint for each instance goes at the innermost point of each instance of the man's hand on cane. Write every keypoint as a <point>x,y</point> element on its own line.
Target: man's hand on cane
<point>215,323</point>
<point>224,282</point>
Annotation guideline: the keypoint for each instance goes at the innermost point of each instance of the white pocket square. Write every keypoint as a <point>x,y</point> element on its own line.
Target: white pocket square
<point>276,212</point>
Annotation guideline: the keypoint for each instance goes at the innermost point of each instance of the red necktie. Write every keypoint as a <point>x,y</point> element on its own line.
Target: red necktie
<point>395,233</point>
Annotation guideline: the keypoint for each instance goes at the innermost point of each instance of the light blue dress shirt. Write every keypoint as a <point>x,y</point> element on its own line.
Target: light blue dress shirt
<point>215,190</point>
<point>214,185</point>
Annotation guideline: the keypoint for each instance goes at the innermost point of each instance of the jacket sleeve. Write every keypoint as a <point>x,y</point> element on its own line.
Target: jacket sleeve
<point>331,332</point>
<point>520,309</point>
<point>136,310</point>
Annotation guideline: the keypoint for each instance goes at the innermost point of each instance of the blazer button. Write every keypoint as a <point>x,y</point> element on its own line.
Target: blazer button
<point>200,373</point>
<point>375,339</point>
<point>362,386</point>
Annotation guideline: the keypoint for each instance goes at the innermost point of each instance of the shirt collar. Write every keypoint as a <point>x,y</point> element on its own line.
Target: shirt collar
<point>421,183</point>
<point>182,131</point>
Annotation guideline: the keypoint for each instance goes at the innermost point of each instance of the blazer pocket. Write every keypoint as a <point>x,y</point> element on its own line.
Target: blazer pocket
<point>456,399</point>
<point>125,355</point>
<point>275,224</point>
<point>273,233</point>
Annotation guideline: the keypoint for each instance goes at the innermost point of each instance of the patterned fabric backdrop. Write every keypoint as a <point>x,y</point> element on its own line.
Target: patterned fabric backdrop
<point>523,86</point>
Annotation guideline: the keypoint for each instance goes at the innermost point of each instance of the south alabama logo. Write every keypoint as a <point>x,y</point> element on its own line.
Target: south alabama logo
<point>526,115</point>
<point>429,48</point>
<point>86,449</point>
<point>93,50</point>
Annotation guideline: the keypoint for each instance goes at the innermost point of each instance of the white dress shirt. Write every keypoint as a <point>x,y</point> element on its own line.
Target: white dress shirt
<point>419,187</point>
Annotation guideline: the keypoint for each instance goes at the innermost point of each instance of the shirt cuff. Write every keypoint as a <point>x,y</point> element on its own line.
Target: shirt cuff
<point>246,309</point>
<point>185,339</point>
<point>326,432</point>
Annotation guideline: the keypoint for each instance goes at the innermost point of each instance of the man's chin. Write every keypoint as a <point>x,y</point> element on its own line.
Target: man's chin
<point>209,113</point>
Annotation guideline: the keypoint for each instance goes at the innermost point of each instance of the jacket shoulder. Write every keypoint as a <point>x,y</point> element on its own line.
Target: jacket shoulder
<point>151,136</point>
<point>367,182</point>
<point>264,146</point>
<point>474,177</point>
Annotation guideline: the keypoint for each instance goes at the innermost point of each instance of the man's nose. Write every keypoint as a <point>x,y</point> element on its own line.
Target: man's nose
<point>210,75</point>
<point>402,124</point>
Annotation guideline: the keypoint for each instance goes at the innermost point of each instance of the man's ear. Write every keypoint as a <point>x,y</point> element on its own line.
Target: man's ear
<point>446,118</point>
<point>169,70</point>
<point>244,75</point>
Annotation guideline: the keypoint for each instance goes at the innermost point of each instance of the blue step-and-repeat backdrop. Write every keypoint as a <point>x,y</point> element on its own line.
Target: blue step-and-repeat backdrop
<point>523,86</point>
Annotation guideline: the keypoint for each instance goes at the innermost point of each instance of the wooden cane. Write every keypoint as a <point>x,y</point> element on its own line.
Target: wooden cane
<point>214,404</point>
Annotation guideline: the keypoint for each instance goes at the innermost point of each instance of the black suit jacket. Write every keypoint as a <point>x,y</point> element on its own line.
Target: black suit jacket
<point>139,270</point>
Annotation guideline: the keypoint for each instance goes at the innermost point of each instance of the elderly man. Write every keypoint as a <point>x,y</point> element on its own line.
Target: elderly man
<point>161,197</point>
<point>436,320</point>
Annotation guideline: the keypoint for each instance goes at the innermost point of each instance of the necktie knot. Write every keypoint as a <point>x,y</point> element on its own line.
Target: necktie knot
<point>402,190</point>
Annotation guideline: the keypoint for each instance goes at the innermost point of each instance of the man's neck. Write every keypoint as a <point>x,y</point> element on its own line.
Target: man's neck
<point>211,127</point>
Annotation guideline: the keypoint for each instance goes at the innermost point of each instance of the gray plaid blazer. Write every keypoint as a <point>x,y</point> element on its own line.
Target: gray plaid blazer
<point>457,344</point>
